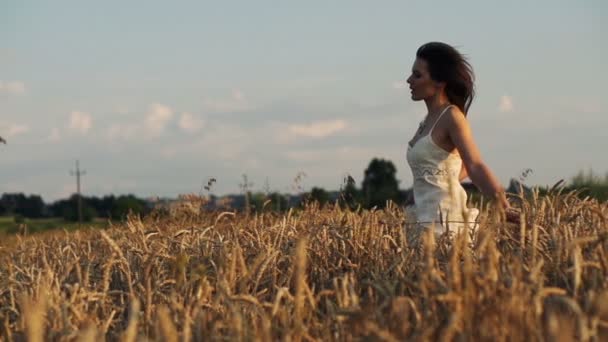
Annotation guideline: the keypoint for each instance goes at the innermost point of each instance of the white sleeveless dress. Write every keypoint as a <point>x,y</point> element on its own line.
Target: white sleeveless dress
<point>440,200</point>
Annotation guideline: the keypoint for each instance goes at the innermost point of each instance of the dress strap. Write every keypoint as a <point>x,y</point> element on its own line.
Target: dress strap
<point>440,115</point>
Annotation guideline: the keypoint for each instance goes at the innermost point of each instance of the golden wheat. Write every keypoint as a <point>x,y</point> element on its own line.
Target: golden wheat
<point>320,273</point>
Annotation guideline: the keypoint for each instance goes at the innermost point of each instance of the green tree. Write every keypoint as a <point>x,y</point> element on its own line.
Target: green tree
<point>71,214</point>
<point>590,184</point>
<point>10,202</point>
<point>350,196</point>
<point>318,195</point>
<point>380,183</point>
<point>278,201</point>
<point>103,205</point>
<point>126,204</point>
<point>68,209</point>
<point>256,201</point>
<point>274,201</point>
<point>589,178</point>
<point>31,206</point>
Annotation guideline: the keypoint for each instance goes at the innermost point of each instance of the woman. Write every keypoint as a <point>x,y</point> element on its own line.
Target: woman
<point>442,151</point>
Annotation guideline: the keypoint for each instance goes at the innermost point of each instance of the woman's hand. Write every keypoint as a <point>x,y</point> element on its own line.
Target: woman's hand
<point>512,215</point>
<point>501,200</point>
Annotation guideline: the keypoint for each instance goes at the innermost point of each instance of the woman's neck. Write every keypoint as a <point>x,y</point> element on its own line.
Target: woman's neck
<point>436,104</point>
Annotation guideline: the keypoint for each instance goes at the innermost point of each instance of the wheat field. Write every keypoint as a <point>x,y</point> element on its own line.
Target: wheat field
<point>313,274</point>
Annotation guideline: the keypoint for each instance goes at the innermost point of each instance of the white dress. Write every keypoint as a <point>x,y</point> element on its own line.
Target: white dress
<point>440,200</point>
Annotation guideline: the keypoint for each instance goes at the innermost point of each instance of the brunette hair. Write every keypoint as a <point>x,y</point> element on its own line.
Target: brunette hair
<point>448,65</point>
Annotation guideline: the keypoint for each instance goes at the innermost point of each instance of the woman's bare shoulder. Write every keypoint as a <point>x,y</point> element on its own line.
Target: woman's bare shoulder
<point>455,117</point>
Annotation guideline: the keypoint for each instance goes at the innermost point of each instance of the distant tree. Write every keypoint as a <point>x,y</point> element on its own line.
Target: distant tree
<point>589,178</point>
<point>349,196</point>
<point>71,213</point>
<point>590,184</point>
<point>58,207</point>
<point>31,206</point>
<point>88,212</point>
<point>380,183</point>
<point>256,200</point>
<point>318,195</point>
<point>272,201</point>
<point>9,202</point>
<point>126,204</point>
<point>103,206</point>
<point>68,209</point>
<point>278,201</point>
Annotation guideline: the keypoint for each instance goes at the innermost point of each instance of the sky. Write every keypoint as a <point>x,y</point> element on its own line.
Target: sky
<point>156,97</point>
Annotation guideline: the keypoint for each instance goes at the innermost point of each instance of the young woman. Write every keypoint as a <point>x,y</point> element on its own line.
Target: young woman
<point>442,151</point>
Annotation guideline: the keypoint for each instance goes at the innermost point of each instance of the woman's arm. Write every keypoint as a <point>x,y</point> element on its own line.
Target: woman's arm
<point>462,137</point>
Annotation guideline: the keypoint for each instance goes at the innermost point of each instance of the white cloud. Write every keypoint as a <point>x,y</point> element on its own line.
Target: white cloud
<point>17,129</point>
<point>13,87</point>
<point>189,123</point>
<point>317,129</point>
<point>80,122</point>
<point>157,118</point>
<point>55,135</point>
<point>155,122</point>
<point>506,104</point>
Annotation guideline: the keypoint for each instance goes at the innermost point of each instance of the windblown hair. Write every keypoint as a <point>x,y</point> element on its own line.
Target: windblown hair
<point>448,65</point>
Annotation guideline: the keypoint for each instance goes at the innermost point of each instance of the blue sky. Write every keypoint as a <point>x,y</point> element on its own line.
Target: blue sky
<point>155,97</point>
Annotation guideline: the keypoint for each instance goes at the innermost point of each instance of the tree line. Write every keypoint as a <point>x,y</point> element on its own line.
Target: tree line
<point>378,186</point>
<point>587,183</point>
<point>110,207</point>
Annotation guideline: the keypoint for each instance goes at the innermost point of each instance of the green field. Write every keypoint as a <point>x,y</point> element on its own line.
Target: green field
<point>9,226</point>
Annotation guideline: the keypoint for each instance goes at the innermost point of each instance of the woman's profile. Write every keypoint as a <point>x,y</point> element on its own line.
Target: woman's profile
<point>443,152</point>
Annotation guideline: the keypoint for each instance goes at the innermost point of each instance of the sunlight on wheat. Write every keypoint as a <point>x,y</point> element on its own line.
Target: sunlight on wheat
<point>319,273</point>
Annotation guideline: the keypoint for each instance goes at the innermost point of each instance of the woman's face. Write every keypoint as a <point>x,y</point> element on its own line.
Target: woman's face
<point>422,86</point>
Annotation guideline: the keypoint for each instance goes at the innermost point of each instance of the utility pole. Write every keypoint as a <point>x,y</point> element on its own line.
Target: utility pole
<point>245,188</point>
<point>78,173</point>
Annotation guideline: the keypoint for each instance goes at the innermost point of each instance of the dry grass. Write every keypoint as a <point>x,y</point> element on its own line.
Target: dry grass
<point>316,274</point>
